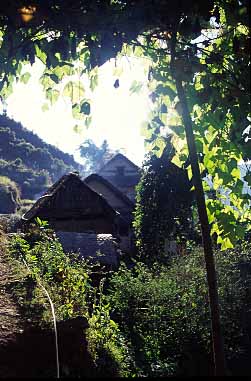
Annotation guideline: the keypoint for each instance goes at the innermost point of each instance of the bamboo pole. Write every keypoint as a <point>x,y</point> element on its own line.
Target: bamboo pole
<point>217,337</point>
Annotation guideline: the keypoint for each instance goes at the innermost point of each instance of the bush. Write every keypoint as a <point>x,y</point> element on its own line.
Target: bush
<point>164,313</point>
<point>63,276</point>
<point>68,282</point>
<point>107,345</point>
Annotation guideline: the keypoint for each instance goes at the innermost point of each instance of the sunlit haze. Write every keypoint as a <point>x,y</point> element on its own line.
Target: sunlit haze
<point>116,113</point>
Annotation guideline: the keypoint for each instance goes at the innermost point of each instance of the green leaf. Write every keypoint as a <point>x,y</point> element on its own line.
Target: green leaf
<point>25,77</point>
<point>61,71</point>
<point>226,244</point>
<point>166,90</point>
<point>146,130</point>
<point>86,108</point>
<point>247,178</point>
<point>88,121</point>
<point>236,173</point>
<point>136,87</point>
<point>74,90</point>
<point>54,78</point>
<point>40,54</point>
<point>45,107</point>
<point>93,81</point>
<point>177,129</point>
<point>159,146</point>
<point>46,81</point>
<point>76,112</point>
<point>77,128</point>
<point>52,95</point>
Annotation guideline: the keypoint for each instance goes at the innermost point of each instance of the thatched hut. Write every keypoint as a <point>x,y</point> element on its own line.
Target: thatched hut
<point>120,202</point>
<point>70,205</point>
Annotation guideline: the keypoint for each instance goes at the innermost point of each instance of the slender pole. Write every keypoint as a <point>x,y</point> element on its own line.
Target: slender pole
<point>217,337</point>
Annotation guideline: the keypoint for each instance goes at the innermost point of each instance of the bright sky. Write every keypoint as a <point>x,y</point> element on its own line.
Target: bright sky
<point>117,115</point>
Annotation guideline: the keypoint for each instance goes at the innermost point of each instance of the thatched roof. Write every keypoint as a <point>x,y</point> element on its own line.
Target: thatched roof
<point>111,187</point>
<point>70,198</point>
<point>119,156</point>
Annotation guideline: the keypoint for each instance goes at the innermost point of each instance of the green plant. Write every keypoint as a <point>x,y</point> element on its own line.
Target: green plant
<point>163,206</point>
<point>41,261</point>
<point>106,343</point>
<point>66,278</point>
<point>163,312</point>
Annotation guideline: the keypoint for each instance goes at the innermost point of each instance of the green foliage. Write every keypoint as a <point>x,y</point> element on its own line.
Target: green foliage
<point>107,345</point>
<point>68,281</point>
<point>217,87</point>
<point>164,313</point>
<point>66,278</point>
<point>28,161</point>
<point>214,70</point>
<point>73,40</point>
<point>163,207</point>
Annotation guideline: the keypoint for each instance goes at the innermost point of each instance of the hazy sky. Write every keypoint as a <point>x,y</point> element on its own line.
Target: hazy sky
<point>117,115</point>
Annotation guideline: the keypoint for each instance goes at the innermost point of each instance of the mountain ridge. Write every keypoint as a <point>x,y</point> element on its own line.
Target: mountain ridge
<point>28,161</point>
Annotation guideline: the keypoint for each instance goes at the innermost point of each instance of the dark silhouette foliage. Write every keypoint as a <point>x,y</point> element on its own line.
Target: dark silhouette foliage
<point>163,206</point>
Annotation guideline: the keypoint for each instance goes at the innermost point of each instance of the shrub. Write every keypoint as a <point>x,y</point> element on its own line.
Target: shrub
<point>65,278</point>
<point>164,313</point>
<point>68,282</point>
<point>107,345</point>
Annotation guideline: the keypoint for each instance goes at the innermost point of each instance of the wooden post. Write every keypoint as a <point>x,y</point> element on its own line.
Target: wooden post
<point>217,339</point>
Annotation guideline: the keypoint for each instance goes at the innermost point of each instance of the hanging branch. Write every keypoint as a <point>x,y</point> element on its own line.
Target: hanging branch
<point>217,338</point>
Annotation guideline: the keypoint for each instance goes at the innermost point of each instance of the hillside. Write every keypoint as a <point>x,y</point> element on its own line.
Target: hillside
<point>28,161</point>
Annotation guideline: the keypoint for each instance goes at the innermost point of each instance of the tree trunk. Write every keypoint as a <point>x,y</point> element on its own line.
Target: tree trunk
<point>217,338</point>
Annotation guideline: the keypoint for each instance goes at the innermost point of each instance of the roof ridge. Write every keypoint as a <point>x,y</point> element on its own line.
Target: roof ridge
<point>114,157</point>
<point>42,201</point>
<point>111,186</point>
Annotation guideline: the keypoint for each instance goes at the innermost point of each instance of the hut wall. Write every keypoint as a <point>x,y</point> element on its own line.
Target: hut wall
<point>111,168</point>
<point>125,243</point>
<point>97,225</point>
<point>123,175</point>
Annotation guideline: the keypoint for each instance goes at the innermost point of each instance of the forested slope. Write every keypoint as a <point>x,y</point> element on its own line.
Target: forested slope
<point>28,161</point>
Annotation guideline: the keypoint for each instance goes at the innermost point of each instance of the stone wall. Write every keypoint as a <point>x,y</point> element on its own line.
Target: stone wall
<point>98,247</point>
